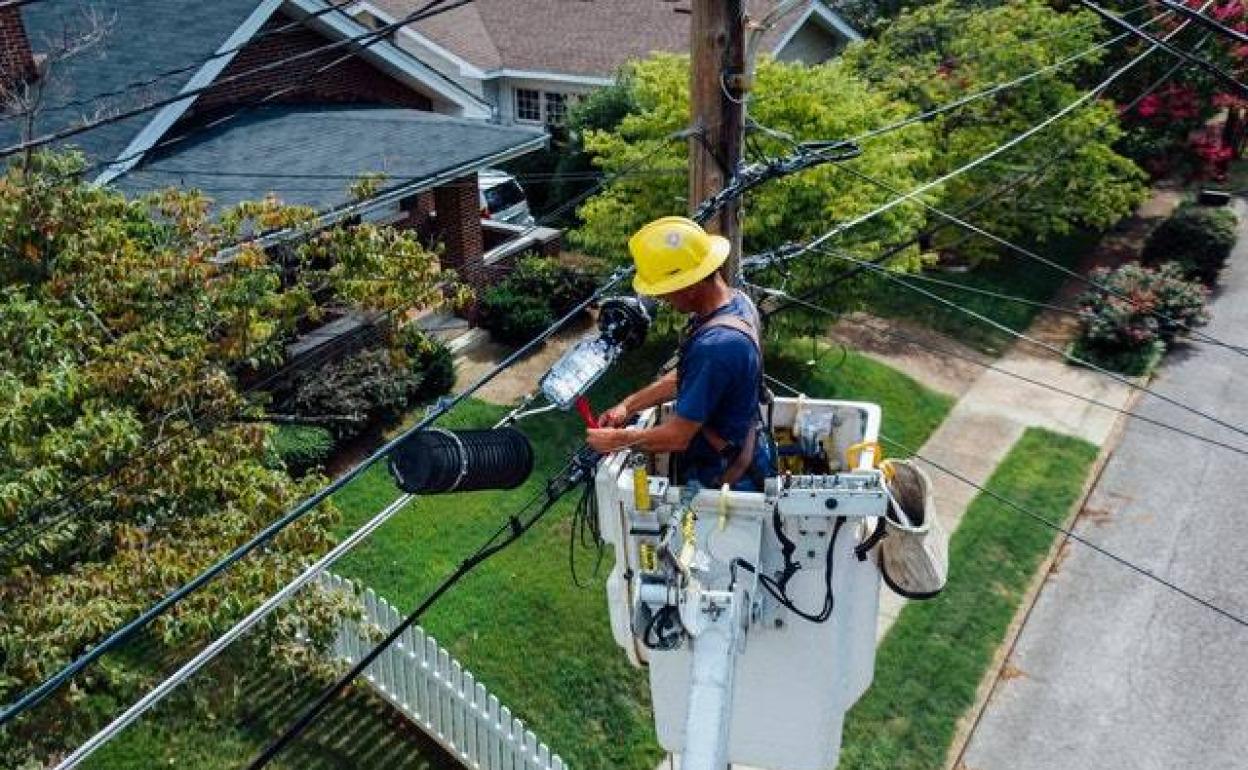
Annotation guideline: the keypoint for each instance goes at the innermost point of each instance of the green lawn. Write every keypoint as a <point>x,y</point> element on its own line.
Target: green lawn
<point>1011,274</point>
<point>930,664</point>
<point>541,644</point>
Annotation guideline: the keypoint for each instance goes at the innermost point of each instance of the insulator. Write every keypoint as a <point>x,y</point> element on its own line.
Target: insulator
<point>437,461</point>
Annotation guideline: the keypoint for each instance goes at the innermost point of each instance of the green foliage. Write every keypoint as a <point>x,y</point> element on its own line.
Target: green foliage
<point>130,460</point>
<point>366,388</point>
<point>935,54</point>
<point>1198,238</point>
<point>931,662</point>
<point>537,292</point>
<point>1123,330</point>
<point>302,447</point>
<point>429,357</point>
<point>829,101</point>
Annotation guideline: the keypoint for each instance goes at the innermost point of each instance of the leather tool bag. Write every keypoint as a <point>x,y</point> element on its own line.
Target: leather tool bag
<point>914,548</point>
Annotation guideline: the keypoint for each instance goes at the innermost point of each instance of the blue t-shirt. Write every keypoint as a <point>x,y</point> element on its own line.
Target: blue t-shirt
<point>718,381</point>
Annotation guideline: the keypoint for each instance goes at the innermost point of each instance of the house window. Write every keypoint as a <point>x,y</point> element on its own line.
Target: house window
<point>556,109</point>
<point>528,105</point>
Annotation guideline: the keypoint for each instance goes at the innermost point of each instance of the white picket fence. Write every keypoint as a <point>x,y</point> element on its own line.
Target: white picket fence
<point>421,679</point>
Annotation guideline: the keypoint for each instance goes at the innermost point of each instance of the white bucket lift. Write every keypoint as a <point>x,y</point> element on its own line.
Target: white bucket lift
<point>736,676</point>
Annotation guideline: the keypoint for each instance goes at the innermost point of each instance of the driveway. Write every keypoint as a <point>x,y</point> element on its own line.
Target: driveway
<point>1112,671</point>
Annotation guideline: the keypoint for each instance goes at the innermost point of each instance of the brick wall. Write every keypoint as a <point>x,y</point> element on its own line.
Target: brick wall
<point>459,229</point>
<point>17,62</point>
<point>352,81</point>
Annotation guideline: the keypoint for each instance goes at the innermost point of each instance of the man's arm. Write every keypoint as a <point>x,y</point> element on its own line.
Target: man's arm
<point>673,435</point>
<point>657,392</point>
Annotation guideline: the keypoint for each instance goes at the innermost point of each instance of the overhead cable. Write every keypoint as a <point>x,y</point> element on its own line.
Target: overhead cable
<point>1204,64</point>
<point>36,695</point>
<point>578,470</point>
<point>949,352</point>
<point>891,276</point>
<point>1045,521</point>
<point>363,40</point>
<point>85,101</point>
<point>1207,21</point>
<point>1101,286</point>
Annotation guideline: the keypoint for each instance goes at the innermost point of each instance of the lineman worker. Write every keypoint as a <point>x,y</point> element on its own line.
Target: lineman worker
<point>717,383</point>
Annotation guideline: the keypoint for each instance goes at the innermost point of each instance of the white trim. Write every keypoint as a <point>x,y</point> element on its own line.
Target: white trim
<point>554,77</point>
<point>827,16</point>
<point>400,62</point>
<point>170,113</point>
<point>466,68</point>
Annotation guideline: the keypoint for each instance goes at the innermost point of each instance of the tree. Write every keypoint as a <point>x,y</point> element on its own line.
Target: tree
<point>131,459</point>
<point>938,53</point>
<point>810,103</point>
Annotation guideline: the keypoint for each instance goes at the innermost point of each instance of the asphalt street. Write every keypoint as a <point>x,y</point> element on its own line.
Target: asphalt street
<point>1112,670</point>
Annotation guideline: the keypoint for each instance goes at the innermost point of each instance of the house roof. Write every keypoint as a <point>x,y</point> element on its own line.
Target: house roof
<point>142,40</point>
<point>164,47</point>
<point>568,36</point>
<point>309,155</point>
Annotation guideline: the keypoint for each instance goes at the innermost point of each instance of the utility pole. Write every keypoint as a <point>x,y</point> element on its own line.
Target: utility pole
<point>718,83</point>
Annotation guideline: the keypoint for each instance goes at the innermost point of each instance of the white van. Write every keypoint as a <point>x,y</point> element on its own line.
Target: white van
<point>502,198</point>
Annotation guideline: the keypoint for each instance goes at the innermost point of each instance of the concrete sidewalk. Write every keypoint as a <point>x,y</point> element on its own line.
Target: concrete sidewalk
<point>1111,670</point>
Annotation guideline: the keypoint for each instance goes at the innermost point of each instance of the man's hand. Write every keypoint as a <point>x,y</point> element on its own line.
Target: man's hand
<point>615,417</point>
<point>608,440</point>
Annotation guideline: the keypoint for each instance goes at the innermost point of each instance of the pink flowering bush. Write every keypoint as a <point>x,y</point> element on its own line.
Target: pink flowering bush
<point>1127,328</point>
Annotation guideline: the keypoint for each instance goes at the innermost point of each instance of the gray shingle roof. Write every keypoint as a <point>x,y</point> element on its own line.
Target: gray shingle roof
<point>567,36</point>
<point>285,150</point>
<point>143,40</point>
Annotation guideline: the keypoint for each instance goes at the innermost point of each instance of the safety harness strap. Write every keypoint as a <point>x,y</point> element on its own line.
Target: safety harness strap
<point>739,457</point>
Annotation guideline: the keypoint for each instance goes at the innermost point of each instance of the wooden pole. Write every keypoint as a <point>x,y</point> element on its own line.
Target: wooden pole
<point>717,85</point>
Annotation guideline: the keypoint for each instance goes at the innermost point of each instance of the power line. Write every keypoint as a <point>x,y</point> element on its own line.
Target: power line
<point>578,470</point>
<point>993,90</point>
<point>1211,23</point>
<point>427,11</point>
<point>548,217</point>
<point>1045,521</point>
<point>182,70</point>
<point>38,694</point>
<point>1202,63</point>
<point>889,275</point>
<point>1101,286</point>
<point>944,351</point>
<point>795,252</point>
<point>992,195</point>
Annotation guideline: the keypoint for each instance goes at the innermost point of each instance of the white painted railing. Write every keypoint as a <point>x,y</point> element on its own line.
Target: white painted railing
<point>421,679</point>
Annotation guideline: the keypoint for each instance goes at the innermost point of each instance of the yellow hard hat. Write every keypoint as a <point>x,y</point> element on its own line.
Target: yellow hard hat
<point>674,253</point>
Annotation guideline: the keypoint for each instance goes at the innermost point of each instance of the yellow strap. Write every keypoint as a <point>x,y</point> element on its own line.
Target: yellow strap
<point>853,455</point>
<point>723,507</point>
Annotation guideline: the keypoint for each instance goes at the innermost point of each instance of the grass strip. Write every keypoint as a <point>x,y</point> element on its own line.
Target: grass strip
<point>932,661</point>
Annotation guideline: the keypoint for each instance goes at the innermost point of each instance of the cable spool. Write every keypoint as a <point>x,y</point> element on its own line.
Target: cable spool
<point>438,461</point>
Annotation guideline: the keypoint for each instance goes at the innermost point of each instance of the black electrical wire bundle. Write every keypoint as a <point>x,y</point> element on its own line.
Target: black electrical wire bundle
<point>586,531</point>
<point>778,587</point>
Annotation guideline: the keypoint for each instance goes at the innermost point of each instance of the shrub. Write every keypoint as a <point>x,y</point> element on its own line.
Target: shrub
<point>513,317</point>
<point>301,447</point>
<point>1128,330</point>
<point>365,388</point>
<point>431,359</point>
<point>1200,239</point>
<point>537,292</point>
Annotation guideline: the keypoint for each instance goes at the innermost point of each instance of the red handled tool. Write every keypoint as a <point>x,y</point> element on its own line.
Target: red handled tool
<point>587,414</point>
